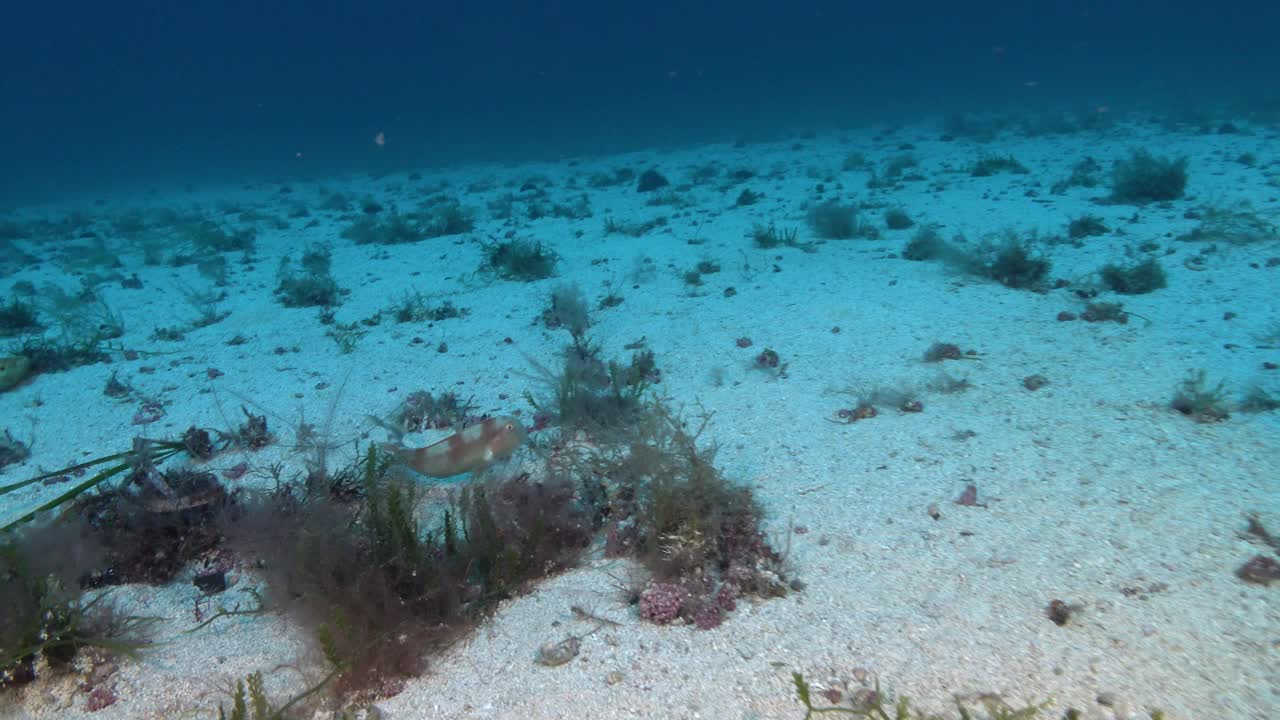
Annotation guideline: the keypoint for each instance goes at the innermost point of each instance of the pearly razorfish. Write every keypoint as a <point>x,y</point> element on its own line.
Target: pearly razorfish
<point>473,448</point>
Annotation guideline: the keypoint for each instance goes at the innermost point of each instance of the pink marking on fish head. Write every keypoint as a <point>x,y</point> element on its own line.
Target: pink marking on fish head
<point>508,434</point>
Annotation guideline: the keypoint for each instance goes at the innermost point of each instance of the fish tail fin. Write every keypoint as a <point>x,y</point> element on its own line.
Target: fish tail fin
<point>397,433</point>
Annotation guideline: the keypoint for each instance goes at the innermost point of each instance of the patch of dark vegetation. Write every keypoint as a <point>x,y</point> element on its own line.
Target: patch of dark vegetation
<point>19,318</point>
<point>567,308</point>
<point>1105,312</point>
<point>770,237</point>
<point>947,384</point>
<point>591,394</point>
<point>697,533</point>
<point>1144,178</point>
<point>862,697</point>
<point>1013,265</point>
<point>989,165</point>
<point>578,208</point>
<point>1008,261</point>
<point>168,334</point>
<point>447,217</point>
<point>444,217</point>
<point>50,355</point>
<point>855,160</point>
<point>747,197</point>
<point>392,229</point>
<point>208,304</point>
<point>1086,226</point>
<point>651,180</point>
<point>893,172</point>
<point>586,392</point>
<point>1233,226</point>
<point>669,198</point>
<point>897,219</point>
<point>904,398</point>
<point>346,336</point>
<point>890,174</point>
<point>251,435</point>
<point>769,362</point>
<point>1138,279</point>
<point>612,226</point>
<point>693,278</point>
<point>703,174</point>
<point>334,201</point>
<point>927,244</point>
<point>940,351</point>
<point>12,450</point>
<point>14,230</point>
<point>1259,570</point>
<point>1255,531</point>
<point>83,326</point>
<point>1085,173</point>
<point>381,577</point>
<point>837,221</point>
<point>47,620</point>
<point>1066,122</point>
<point>621,176</point>
<point>1196,400</point>
<point>155,523</point>
<point>208,236</point>
<point>249,701</point>
<point>379,591</point>
<point>1256,400</point>
<point>1059,612</point>
<point>413,307</point>
<point>519,260</point>
<point>422,411</point>
<point>314,286</point>
<point>980,128</point>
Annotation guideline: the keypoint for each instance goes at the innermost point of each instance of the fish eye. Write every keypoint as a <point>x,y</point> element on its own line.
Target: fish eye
<point>510,426</point>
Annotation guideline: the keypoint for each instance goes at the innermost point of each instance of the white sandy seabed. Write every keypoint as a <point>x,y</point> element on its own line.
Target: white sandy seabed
<point>1092,490</point>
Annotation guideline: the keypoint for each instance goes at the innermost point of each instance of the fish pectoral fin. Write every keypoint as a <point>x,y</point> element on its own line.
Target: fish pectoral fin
<point>488,454</point>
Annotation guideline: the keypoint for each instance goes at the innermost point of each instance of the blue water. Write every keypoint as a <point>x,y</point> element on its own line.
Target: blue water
<point>98,93</point>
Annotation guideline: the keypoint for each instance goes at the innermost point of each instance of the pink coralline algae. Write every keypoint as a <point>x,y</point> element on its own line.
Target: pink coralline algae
<point>708,616</point>
<point>726,597</point>
<point>660,603</point>
<point>100,698</point>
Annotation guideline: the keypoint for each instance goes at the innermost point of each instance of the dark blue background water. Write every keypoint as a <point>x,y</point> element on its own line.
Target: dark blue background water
<point>115,92</point>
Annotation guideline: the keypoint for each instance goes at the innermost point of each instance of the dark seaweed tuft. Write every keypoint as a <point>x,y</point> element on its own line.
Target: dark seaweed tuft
<point>314,286</point>
<point>153,524</point>
<point>590,394</point>
<point>1141,278</point>
<point>45,614</point>
<point>697,533</point>
<point>379,590</point>
<point>1144,178</point>
<point>1015,267</point>
<point>519,260</point>
<point>19,318</point>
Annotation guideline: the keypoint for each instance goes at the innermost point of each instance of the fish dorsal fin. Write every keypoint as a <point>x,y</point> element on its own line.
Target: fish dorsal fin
<point>415,440</point>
